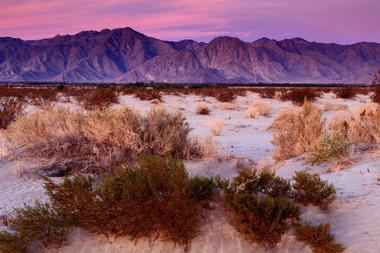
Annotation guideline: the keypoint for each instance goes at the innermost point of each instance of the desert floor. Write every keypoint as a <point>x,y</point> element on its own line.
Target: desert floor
<point>354,215</point>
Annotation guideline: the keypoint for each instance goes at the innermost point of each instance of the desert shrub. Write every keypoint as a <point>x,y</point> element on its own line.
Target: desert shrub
<point>97,98</point>
<point>266,92</point>
<point>11,243</point>
<point>41,225</point>
<point>345,93</point>
<point>202,109</point>
<point>258,109</point>
<point>260,205</point>
<point>153,198</point>
<point>311,189</point>
<point>229,106</point>
<point>299,95</point>
<point>10,107</point>
<point>216,126</point>
<point>100,137</point>
<point>318,237</point>
<point>148,94</point>
<point>202,188</point>
<point>209,149</point>
<point>264,182</point>
<point>295,130</point>
<point>329,144</point>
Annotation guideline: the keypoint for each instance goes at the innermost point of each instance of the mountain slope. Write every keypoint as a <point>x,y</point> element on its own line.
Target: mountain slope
<point>125,55</point>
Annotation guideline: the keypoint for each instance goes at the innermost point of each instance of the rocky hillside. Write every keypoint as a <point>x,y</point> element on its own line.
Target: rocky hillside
<point>125,55</point>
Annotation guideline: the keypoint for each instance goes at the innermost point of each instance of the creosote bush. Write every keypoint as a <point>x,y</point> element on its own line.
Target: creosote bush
<point>153,198</point>
<point>311,189</point>
<point>295,130</point>
<point>261,206</point>
<point>264,205</point>
<point>318,237</point>
<point>329,144</point>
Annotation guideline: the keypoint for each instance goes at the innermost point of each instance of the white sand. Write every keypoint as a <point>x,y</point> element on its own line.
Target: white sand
<point>354,216</point>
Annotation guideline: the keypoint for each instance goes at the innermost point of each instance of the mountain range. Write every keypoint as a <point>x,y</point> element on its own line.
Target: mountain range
<point>125,55</point>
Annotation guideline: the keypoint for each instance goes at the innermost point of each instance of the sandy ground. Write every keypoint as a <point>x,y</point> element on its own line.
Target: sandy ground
<point>354,215</point>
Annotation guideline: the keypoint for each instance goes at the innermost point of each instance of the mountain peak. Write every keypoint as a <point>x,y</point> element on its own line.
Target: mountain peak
<point>126,55</point>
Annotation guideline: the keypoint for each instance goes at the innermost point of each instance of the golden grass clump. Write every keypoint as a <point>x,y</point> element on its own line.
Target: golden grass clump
<point>329,106</point>
<point>101,136</point>
<point>216,126</point>
<point>295,130</point>
<point>202,109</point>
<point>258,109</point>
<point>209,149</point>
<point>229,106</point>
<point>362,126</point>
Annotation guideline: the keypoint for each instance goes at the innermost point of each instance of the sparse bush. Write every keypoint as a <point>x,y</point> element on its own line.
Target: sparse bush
<point>258,109</point>
<point>229,106</point>
<point>208,148</point>
<point>266,92</point>
<point>216,126</point>
<point>41,225</point>
<point>310,189</point>
<point>202,188</point>
<point>100,137</point>
<point>295,130</point>
<point>345,93</point>
<point>10,107</point>
<point>202,109</point>
<point>153,198</point>
<point>329,144</point>
<point>260,204</point>
<point>318,237</point>
<point>299,95</point>
<point>96,98</point>
<point>148,94</point>
<point>11,243</point>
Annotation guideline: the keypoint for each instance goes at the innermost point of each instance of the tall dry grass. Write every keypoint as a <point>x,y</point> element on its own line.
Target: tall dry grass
<point>296,129</point>
<point>101,137</point>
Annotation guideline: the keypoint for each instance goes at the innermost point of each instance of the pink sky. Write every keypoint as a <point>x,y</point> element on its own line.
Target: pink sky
<point>341,21</point>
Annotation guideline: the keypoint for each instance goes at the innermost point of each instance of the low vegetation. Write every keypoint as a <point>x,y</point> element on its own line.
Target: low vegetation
<point>216,126</point>
<point>318,237</point>
<point>262,204</point>
<point>202,109</point>
<point>258,109</point>
<point>101,137</point>
<point>10,108</point>
<point>329,145</point>
<point>295,130</point>
<point>153,198</point>
<point>310,189</point>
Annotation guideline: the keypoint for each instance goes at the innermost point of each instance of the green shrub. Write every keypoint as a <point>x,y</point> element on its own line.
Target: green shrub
<point>318,237</point>
<point>154,197</point>
<point>143,200</point>
<point>265,182</point>
<point>310,189</point>
<point>261,219</point>
<point>41,225</point>
<point>260,204</point>
<point>202,188</point>
<point>332,144</point>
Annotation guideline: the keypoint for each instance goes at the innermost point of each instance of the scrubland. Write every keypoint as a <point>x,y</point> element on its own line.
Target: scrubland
<point>207,169</point>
